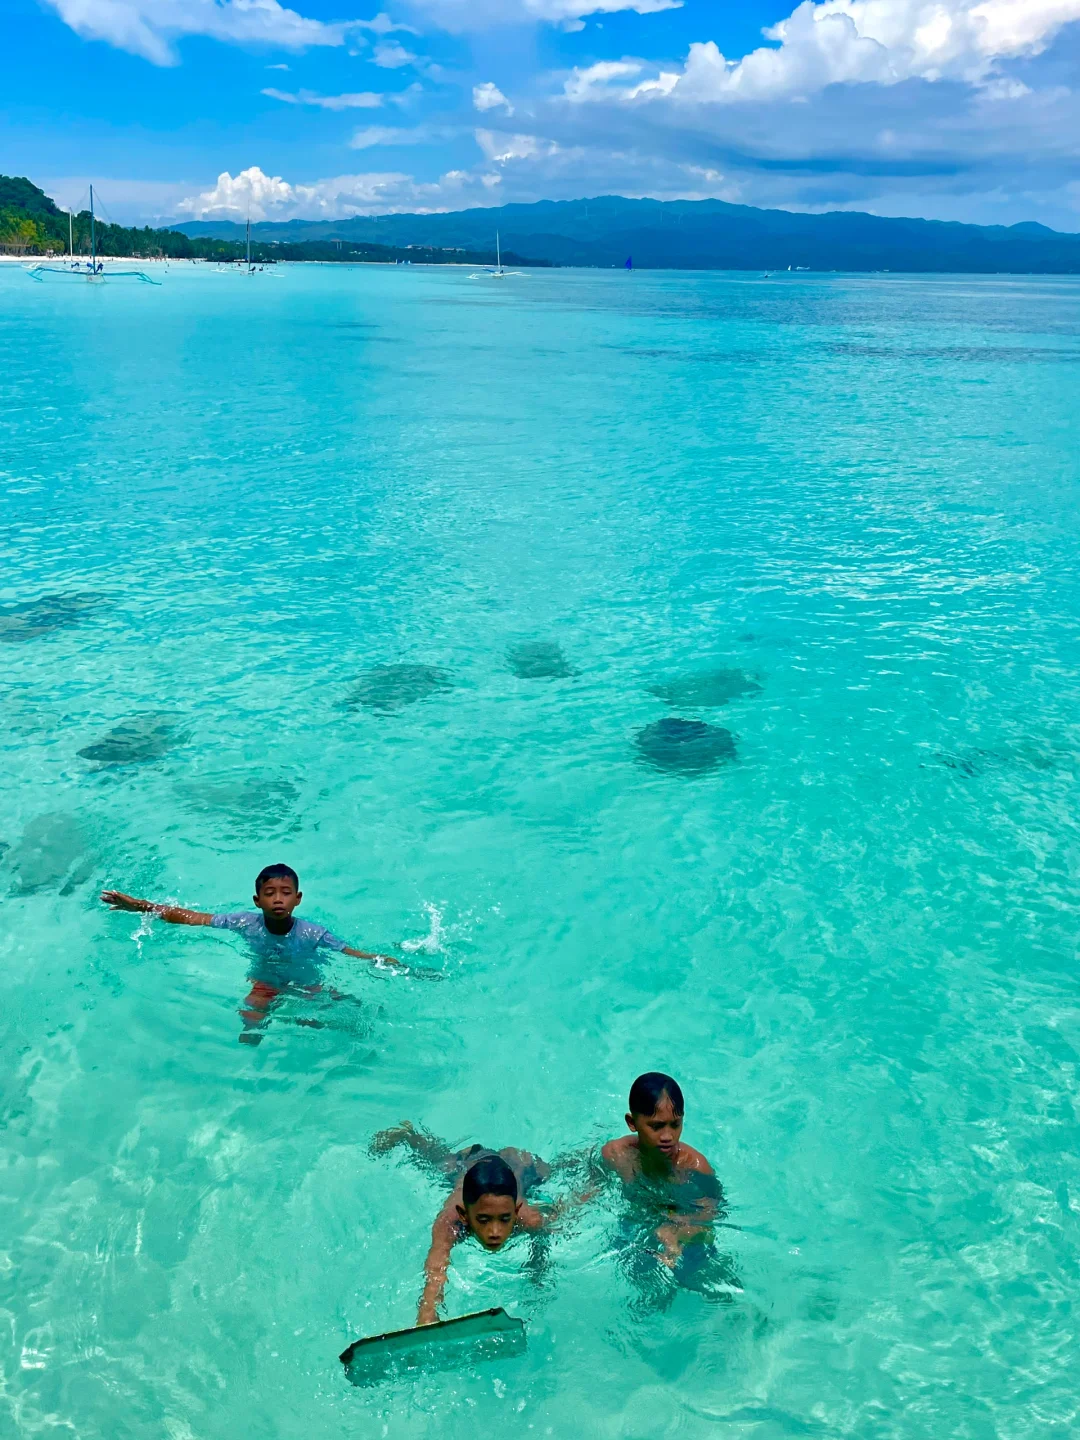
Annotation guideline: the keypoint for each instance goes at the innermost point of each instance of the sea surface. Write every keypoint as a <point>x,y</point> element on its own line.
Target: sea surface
<point>831,524</point>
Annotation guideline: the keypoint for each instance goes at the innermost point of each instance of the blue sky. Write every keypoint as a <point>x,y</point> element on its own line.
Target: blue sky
<point>956,109</point>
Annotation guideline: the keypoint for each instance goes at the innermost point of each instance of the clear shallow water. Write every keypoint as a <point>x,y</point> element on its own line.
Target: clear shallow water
<point>855,945</point>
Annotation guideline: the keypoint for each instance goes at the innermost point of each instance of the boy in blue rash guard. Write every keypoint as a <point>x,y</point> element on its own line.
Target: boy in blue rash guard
<point>285,948</point>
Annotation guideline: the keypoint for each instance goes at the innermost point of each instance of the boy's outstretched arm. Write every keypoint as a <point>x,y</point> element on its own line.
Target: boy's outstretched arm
<point>443,1235</point>
<point>374,955</point>
<point>172,914</point>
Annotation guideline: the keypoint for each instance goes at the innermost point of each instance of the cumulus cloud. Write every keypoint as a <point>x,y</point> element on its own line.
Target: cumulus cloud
<point>269,197</point>
<point>489,97</point>
<point>877,42</point>
<point>364,100</point>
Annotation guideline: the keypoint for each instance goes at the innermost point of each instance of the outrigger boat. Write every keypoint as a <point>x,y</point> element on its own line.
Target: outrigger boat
<point>92,269</point>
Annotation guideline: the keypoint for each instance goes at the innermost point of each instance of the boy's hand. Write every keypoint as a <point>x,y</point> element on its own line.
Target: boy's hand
<point>670,1240</point>
<point>117,900</point>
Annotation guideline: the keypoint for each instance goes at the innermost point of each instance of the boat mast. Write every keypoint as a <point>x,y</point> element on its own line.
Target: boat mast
<point>498,252</point>
<point>249,243</point>
<point>93,237</point>
<point>71,247</point>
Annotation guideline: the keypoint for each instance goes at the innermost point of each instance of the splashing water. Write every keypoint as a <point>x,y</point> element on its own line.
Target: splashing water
<point>432,942</point>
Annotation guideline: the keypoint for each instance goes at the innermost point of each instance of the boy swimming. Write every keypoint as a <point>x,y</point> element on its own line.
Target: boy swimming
<point>657,1161</point>
<point>285,947</point>
<point>487,1201</point>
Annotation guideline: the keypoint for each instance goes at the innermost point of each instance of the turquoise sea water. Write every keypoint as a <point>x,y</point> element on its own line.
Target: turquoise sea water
<point>854,943</point>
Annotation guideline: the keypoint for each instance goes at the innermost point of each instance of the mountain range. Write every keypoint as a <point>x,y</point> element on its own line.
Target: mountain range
<point>695,235</point>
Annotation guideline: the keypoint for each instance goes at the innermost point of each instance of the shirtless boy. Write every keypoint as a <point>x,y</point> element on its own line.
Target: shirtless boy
<point>655,1154</point>
<point>487,1201</point>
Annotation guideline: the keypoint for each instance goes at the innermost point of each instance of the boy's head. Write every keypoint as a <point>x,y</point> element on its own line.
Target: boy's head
<point>490,1203</point>
<point>656,1113</point>
<point>277,891</point>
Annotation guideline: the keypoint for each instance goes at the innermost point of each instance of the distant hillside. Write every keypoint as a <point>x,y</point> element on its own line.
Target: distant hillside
<point>32,224</point>
<point>701,235</point>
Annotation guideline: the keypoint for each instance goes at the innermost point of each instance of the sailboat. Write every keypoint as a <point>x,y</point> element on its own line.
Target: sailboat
<point>250,267</point>
<point>498,273</point>
<point>498,258</point>
<point>94,269</point>
<point>629,263</point>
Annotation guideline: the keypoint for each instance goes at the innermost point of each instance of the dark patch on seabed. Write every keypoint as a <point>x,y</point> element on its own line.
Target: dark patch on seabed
<point>1030,755</point>
<point>53,854</point>
<point>250,802</point>
<point>538,660</point>
<point>138,741</point>
<point>969,762</point>
<point>706,689</point>
<point>387,688</point>
<point>31,618</point>
<point>685,747</point>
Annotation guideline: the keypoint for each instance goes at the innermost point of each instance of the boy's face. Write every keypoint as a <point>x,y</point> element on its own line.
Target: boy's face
<point>278,897</point>
<point>491,1219</point>
<point>659,1131</point>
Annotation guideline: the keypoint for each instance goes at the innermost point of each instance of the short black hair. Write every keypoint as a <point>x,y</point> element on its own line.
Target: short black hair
<point>276,872</point>
<point>648,1090</point>
<point>490,1176</point>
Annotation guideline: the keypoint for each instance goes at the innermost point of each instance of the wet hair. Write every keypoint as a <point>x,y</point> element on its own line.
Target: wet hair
<point>490,1176</point>
<point>648,1090</point>
<point>276,872</point>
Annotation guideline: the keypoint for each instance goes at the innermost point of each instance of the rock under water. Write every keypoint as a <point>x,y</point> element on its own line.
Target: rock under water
<point>685,747</point>
<point>251,802</point>
<point>31,618</point>
<point>138,741</point>
<point>53,854</point>
<point>391,687</point>
<point>538,660</point>
<point>705,689</point>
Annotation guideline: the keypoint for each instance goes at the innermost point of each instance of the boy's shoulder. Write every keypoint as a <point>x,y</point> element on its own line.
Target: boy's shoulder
<point>621,1154</point>
<point>691,1159</point>
<point>235,919</point>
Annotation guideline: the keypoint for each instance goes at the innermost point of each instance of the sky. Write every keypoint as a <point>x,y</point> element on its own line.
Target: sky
<point>217,109</point>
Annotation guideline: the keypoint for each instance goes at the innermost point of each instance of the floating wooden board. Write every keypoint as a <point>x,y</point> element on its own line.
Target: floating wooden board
<point>484,1335</point>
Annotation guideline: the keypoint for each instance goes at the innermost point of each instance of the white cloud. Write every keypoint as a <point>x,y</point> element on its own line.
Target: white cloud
<point>464,15</point>
<point>594,81</point>
<point>371,135</point>
<point>364,100</point>
<point>150,27</point>
<point>392,55</point>
<point>269,197</point>
<point>500,148</point>
<point>383,25</point>
<point>489,97</point>
<point>880,42</point>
